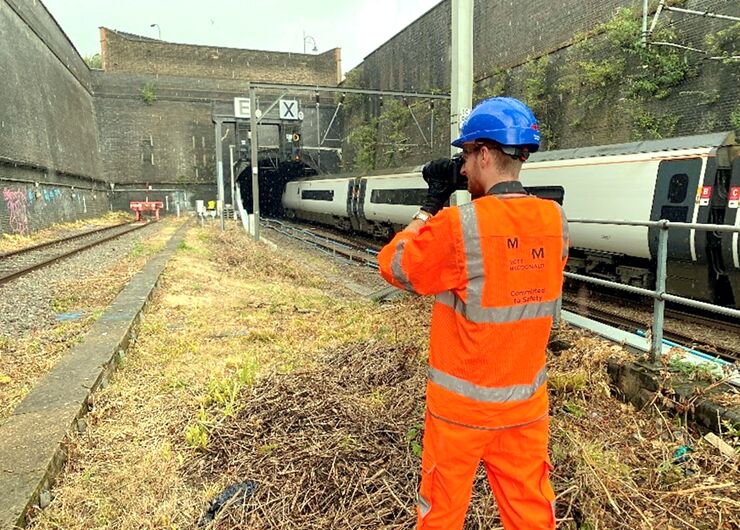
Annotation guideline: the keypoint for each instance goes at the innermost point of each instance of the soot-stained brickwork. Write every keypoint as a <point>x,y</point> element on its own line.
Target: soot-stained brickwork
<point>68,134</point>
<point>155,102</point>
<point>49,155</point>
<point>536,53</point>
<point>126,53</point>
<point>46,115</point>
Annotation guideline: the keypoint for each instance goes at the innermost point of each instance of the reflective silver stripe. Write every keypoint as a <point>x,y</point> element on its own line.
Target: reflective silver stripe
<point>501,394</point>
<point>473,253</point>
<point>566,231</point>
<point>397,269</point>
<point>497,315</point>
<point>424,505</point>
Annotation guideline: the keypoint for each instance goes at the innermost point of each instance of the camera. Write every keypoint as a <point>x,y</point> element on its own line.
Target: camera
<point>460,180</point>
<point>450,168</point>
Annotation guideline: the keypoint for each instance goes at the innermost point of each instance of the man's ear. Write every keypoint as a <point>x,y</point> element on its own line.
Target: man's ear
<point>486,156</point>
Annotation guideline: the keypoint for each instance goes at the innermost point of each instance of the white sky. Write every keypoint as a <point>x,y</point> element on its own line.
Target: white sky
<point>356,26</point>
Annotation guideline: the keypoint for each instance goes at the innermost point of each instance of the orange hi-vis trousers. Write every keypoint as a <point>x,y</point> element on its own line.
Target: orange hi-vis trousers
<point>516,463</point>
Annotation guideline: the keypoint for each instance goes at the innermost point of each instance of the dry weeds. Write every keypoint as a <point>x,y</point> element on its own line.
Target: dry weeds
<point>10,242</point>
<point>247,370</point>
<point>25,359</point>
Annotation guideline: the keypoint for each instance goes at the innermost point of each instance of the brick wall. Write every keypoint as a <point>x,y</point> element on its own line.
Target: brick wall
<point>26,207</point>
<point>126,53</point>
<point>49,165</point>
<point>170,139</point>
<point>46,116</point>
<point>173,198</point>
<point>508,40</point>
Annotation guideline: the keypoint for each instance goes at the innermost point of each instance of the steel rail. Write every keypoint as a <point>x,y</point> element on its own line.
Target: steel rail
<point>351,252</point>
<point>36,266</point>
<point>632,325</point>
<point>60,240</point>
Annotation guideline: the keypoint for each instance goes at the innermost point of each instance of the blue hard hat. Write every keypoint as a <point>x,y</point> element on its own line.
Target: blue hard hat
<point>506,121</point>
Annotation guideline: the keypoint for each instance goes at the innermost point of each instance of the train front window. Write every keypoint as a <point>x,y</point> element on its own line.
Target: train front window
<point>678,188</point>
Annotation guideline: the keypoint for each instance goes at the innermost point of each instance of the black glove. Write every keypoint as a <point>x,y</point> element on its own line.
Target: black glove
<point>440,176</point>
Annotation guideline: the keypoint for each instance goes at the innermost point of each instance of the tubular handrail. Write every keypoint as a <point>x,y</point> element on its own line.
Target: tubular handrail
<point>659,295</point>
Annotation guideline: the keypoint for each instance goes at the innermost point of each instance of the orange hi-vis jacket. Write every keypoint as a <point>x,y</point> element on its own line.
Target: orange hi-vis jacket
<point>496,268</point>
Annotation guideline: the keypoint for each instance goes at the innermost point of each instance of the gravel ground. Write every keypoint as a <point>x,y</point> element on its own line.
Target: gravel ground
<point>629,308</point>
<point>26,303</point>
<point>338,269</point>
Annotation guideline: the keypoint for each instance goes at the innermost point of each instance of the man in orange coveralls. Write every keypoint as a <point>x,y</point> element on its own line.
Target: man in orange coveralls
<point>496,268</point>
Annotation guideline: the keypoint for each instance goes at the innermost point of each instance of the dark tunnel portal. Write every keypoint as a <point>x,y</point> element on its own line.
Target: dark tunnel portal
<point>271,185</point>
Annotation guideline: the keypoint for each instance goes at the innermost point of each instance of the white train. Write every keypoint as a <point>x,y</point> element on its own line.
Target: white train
<point>690,179</point>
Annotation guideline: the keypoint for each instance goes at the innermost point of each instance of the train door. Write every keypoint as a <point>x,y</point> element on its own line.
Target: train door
<point>679,193</point>
<point>357,208</point>
<point>353,187</point>
<point>730,243</point>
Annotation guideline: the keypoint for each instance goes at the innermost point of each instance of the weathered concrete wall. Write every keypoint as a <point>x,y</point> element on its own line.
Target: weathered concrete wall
<point>46,117</point>
<point>49,163</point>
<point>126,53</point>
<point>173,198</point>
<point>25,208</point>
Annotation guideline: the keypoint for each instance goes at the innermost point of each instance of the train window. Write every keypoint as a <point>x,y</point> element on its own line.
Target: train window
<point>318,195</point>
<point>409,196</point>
<point>553,193</point>
<point>678,188</point>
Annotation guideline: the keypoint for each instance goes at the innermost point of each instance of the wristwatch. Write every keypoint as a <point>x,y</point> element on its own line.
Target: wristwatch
<point>422,216</point>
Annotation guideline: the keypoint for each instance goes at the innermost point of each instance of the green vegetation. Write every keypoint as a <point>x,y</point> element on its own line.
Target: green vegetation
<point>493,87</point>
<point>148,93</point>
<point>724,43</point>
<point>413,437</point>
<point>649,125</point>
<point>93,61</point>
<point>618,76</point>
<point>735,118</point>
<point>539,97</point>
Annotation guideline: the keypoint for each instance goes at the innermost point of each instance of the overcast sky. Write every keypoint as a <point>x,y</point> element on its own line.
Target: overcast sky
<point>356,26</point>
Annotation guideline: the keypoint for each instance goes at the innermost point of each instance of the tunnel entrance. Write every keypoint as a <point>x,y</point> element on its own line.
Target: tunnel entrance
<point>271,185</point>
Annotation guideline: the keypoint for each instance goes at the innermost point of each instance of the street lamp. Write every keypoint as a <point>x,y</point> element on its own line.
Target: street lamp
<point>305,37</point>
<point>159,30</point>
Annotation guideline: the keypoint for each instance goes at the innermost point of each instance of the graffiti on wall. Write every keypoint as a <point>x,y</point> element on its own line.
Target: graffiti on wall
<point>16,202</point>
<point>50,195</point>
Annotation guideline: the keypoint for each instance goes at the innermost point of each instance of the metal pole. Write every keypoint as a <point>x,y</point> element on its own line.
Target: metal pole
<point>231,171</point>
<point>644,22</point>
<point>462,75</point>
<point>702,13</point>
<point>318,134</point>
<point>656,346</point>
<point>254,161</point>
<point>655,18</point>
<point>220,169</point>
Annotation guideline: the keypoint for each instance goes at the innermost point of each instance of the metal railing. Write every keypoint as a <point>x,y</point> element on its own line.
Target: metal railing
<point>659,295</point>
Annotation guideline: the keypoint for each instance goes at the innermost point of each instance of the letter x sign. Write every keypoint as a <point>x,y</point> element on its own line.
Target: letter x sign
<point>289,109</point>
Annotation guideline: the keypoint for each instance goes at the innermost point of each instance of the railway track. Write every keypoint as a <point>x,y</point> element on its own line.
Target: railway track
<point>634,324</point>
<point>365,252</point>
<point>20,262</point>
<point>326,241</point>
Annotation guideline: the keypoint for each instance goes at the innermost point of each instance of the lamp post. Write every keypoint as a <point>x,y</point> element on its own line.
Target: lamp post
<point>159,30</point>
<point>305,37</point>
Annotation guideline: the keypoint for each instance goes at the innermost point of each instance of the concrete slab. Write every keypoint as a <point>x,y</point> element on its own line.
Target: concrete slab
<point>31,451</point>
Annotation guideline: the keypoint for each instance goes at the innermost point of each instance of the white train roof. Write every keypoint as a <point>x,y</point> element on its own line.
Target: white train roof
<point>707,142</point>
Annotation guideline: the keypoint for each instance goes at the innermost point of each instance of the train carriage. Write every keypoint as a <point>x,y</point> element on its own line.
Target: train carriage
<point>689,179</point>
